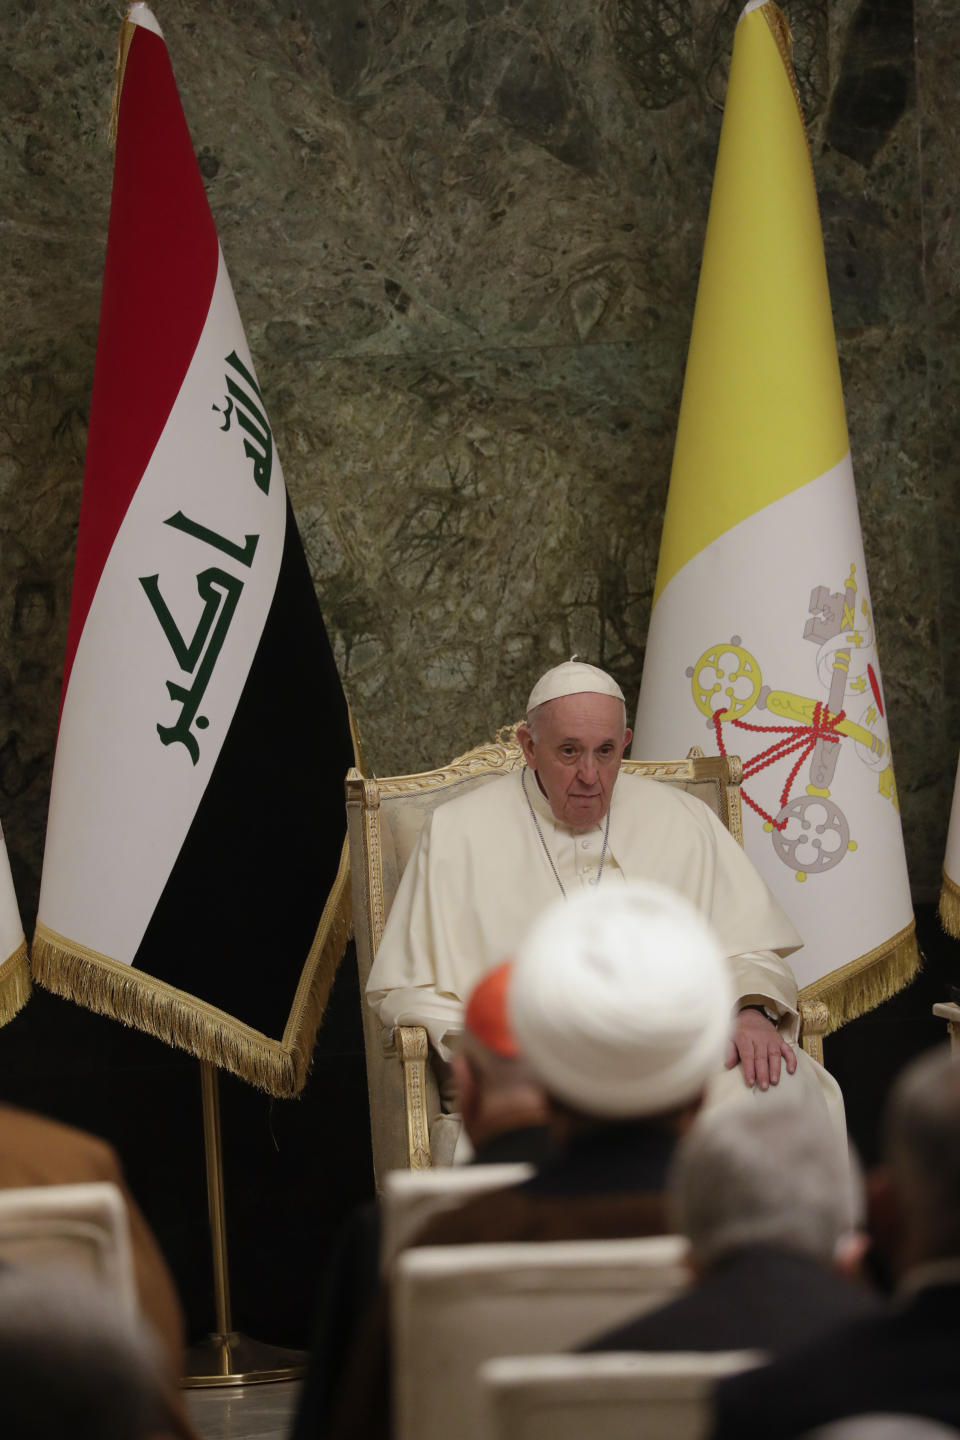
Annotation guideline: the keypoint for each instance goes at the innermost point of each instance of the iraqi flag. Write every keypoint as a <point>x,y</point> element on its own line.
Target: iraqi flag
<point>14,971</point>
<point>195,876</point>
<point>762,640</point>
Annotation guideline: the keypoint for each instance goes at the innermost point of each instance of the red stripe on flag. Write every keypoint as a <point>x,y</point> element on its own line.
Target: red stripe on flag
<point>875,687</point>
<point>158,280</point>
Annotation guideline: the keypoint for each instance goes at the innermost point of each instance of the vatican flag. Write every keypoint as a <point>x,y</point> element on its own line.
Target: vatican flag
<point>14,974</point>
<point>762,640</point>
<point>950,891</point>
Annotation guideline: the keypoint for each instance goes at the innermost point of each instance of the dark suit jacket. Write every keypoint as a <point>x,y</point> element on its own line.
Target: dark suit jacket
<point>349,1283</point>
<point>903,1361</point>
<point>608,1184</point>
<point>761,1297</point>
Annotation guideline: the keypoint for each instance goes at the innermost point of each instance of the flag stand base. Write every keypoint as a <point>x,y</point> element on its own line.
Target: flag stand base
<point>233,1359</point>
<point>227,1357</point>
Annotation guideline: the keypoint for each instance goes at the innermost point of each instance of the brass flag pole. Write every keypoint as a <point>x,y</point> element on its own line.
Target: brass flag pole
<point>226,1357</point>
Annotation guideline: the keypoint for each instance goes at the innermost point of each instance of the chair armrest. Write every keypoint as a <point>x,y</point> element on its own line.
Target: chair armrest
<point>814,1019</point>
<point>951,1013</point>
<point>410,1044</point>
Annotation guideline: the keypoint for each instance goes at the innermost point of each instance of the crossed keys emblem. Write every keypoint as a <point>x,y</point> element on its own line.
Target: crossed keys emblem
<point>809,832</point>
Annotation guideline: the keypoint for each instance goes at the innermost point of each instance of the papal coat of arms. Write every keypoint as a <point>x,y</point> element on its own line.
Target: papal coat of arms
<point>809,830</point>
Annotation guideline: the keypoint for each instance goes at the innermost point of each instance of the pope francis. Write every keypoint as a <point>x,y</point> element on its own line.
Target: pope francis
<point>488,862</point>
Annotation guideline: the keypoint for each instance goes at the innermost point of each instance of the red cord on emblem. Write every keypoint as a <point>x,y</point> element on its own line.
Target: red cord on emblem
<point>795,737</point>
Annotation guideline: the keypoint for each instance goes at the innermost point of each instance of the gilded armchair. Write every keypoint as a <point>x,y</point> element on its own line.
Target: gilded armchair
<point>384,820</point>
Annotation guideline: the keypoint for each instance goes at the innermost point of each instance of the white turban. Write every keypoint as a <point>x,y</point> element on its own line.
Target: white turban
<point>572,678</point>
<point>621,1001</point>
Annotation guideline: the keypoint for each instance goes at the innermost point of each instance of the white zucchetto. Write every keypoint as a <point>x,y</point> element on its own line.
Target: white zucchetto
<point>573,677</point>
<point>621,1002</point>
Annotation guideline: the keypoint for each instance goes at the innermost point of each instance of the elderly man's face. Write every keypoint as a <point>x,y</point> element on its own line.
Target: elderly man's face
<point>575,745</point>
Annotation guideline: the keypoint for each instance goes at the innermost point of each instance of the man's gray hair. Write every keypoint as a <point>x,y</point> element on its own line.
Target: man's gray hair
<point>70,1365</point>
<point>922,1147</point>
<point>764,1174</point>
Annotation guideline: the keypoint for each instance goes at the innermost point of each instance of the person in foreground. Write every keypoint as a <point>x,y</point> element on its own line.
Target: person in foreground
<point>35,1150</point>
<point>505,1114</point>
<point>504,1107</point>
<point>905,1361</point>
<point>490,861</point>
<point>621,1008</point>
<point>73,1368</point>
<point>771,1211</point>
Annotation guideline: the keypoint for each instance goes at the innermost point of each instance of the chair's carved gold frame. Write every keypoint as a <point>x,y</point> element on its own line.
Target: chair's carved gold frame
<point>408,1044</point>
<point>951,1013</point>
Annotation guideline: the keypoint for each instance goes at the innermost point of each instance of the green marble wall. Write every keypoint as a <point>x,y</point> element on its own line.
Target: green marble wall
<point>464,236</point>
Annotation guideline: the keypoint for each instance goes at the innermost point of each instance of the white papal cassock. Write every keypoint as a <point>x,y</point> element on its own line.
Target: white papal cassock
<point>482,872</point>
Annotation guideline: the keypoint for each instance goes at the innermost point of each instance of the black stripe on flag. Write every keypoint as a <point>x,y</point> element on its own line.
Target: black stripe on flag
<point>237,916</point>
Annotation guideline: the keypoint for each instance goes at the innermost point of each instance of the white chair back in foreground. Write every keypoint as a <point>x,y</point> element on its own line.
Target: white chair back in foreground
<point>83,1226</point>
<point>456,1306</point>
<point>619,1397</point>
<point>412,1197</point>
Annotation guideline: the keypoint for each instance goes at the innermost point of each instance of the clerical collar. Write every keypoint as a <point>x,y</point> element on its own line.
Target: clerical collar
<point>543,839</point>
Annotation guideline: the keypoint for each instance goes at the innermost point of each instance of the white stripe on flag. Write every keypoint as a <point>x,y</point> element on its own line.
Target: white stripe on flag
<point>122,800</point>
<point>747,596</point>
<point>11,929</point>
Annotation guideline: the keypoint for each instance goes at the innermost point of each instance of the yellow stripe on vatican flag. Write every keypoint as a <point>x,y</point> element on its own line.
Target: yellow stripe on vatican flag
<point>762,410</point>
<point>762,589</point>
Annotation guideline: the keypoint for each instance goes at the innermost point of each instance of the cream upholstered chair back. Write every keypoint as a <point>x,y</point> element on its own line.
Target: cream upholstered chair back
<point>619,1397</point>
<point>84,1227</point>
<point>412,1197</point>
<point>456,1306</point>
<point>384,820</point>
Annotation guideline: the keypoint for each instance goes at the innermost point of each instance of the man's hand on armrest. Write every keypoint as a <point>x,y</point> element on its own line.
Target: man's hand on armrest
<point>759,1047</point>
<point>440,1015</point>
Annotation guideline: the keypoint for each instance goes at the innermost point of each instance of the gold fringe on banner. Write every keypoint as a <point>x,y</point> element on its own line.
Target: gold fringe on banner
<point>783,39</point>
<point>868,981</point>
<point>127,32</point>
<point>280,1067</point>
<point>14,983</point>
<point>950,907</point>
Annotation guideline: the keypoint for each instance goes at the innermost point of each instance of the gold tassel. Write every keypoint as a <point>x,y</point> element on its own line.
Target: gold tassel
<point>14,983</point>
<point>783,38</point>
<point>780,28</point>
<point>138,999</point>
<point>310,1002</point>
<point>867,981</point>
<point>950,907</point>
<point>124,40</point>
